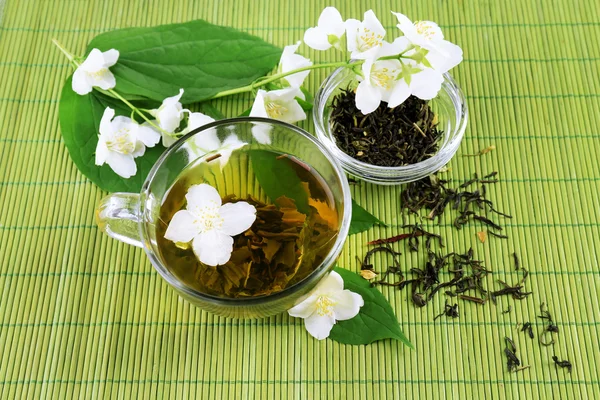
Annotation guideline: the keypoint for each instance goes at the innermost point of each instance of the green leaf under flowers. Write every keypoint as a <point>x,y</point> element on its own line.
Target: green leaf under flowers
<point>277,178</point>
<point>79,124</point>
<point>362,219</point>
<point>376,319</point>
<point>202,58</point>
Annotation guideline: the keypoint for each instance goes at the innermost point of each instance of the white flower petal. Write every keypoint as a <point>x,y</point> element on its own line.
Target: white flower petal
<point>93,62</point>
<point>173,100</point>
<point>319,326</point>
<point>352,26</point>
<point>230,144</point>
<point>404,23</point>
<point>316,38</point>
<point>368,98</point>
<point>167,140</point>
<point>182,227</point>
<point>447,57</point>
<point>107,80</point>
<point>295,113</point>
<point>431,31</point>
<point>105,123</point>
<point>348,304</point>
<point>371,22</point>
<point>81,83</point>
<point>200,196</point>
<point>121,122</point>
<point>331,284</point>
<point>110,57</point>
<point>261,133</point>
<point>169,118</point>
<point>148,135</point>
<point>122,164</point>
<point>287,94</point>
<point>139,149</point>
<point>331,22</point>
<point>305,308</point>
<point>258,107</point>
<point>102,152</point>
<point>399,45</point>
<point>399,94</point>
<point>206,141</point>
<point>426,84</point>
<point>237,217</point>
<point>197,119</point>
<point>213,248</point>
<point>290,61</point>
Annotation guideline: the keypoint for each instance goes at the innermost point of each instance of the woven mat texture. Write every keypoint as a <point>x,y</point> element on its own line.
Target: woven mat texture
<point>84,316</point>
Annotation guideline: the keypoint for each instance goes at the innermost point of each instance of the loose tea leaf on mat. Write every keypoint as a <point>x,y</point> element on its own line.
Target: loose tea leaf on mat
<point>388,137</point>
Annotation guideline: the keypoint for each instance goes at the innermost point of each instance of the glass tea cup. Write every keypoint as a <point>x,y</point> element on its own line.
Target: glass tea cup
<point>133,218</point>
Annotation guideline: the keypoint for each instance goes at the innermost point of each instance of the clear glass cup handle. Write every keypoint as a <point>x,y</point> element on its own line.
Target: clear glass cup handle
<point>118,216</point>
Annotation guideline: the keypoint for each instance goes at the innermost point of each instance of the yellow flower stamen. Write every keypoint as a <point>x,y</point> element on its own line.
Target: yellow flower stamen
<point>325,306</point>
<point>425,29</point>
<point>369,39</point>
<point>122,142</point>
<point>383,78</point>
<point>275,110</point>
<point>99,75</point>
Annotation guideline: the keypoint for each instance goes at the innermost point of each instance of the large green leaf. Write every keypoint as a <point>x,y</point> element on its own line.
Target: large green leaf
<point>362,219</point>
<point>376,319</point>
<point>79,123</point>
<point>277,178</point>
<point>200,57</point>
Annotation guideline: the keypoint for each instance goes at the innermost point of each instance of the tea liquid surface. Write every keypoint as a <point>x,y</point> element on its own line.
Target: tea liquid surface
<point>289,239</point>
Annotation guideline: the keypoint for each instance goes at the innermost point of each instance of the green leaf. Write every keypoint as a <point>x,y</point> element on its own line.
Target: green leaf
<point>376,319</point>
<point>200,57</point>
<point>79,124</point>
<point>306,105</point>
<point>277,178</point>
<point>212,111</point>
<point>362,219</point>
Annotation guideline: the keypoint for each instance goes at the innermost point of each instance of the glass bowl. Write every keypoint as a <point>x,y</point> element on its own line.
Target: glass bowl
<point>449,106</point>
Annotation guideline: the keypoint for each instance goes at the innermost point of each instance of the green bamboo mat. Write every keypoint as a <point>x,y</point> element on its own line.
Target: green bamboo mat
<point>83,316</point>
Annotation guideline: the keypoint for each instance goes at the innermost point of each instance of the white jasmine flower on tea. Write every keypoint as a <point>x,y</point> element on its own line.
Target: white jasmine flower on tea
<point>94,72</point>
<point>441,54</point>
<point>168,117</point>
<point>209,224</point>
<point>290,61</point>
<point>328,32</point>
<point>327,303</point>
<point>279,104</point>
<point>364,38</point>
<point>121,140</point>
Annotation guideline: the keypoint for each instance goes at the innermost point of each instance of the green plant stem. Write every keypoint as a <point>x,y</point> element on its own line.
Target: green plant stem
<point>276,77</point>
<point>76,64</point>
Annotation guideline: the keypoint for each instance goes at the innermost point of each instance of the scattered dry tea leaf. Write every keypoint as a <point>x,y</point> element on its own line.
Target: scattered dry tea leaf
<point>367,274</point>
<point>444,169</point>
<point>481,152</point>
<point>482,236</point>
